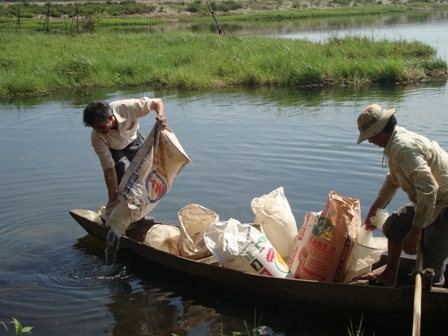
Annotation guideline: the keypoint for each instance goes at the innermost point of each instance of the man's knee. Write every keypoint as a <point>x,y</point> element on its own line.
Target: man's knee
<point>399,223</point>
<point>120,168</point>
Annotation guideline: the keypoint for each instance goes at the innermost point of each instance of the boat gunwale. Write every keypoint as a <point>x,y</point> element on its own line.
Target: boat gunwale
<point>341,296</point>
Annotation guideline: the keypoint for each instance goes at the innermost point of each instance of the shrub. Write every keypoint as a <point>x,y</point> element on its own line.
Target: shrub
<point>194,7</point>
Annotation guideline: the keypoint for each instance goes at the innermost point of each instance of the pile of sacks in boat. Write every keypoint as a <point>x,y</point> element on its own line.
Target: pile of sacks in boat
<point>330,246</point>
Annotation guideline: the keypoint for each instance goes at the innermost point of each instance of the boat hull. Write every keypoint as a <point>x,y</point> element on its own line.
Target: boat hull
<point>336,298</point>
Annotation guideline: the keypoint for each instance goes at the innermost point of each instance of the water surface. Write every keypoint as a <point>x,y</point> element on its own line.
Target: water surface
<point>242,143</point>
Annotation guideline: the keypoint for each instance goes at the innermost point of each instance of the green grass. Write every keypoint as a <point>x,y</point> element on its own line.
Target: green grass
<point>313,13</point>
<point>18,329</point>
<point>37,63</point>
<point>74,17</point>
<point>226,9</point>
<point>114,9</point>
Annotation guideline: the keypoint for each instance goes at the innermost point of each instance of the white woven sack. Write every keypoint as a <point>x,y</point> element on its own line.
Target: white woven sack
<point>194,219</point>
<point>226,240</point>
<point>240,265</point>
<point>233,243</point>
<point>149,177</point>
<point>273,213</point>
<point>366,251</point>
<point>163,237</point>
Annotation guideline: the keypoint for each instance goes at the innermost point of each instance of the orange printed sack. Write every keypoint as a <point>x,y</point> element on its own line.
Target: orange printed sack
<point>325,255</point>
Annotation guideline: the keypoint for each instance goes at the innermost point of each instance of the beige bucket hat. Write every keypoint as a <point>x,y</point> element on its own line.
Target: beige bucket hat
<point>372,121</point>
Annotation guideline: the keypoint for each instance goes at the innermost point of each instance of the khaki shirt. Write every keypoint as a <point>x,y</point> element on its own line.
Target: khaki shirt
<point>127,113</point>
<point>420,168</point>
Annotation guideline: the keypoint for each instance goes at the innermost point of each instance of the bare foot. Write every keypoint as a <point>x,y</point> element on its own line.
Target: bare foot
<point>382,278</point>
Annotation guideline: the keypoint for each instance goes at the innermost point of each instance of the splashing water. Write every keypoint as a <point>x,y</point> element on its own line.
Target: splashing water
<point>112,245</point>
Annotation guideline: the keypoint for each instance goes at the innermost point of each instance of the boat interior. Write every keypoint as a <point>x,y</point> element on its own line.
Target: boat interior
<point>137,232</point>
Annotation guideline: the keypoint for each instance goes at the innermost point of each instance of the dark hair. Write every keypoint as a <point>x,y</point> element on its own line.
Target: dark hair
<point>390,125</point>
<point>96,111</point>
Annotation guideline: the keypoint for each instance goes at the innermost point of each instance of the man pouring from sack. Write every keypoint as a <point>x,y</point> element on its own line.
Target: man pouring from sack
<point>115,137</point>
<point>420,168</point>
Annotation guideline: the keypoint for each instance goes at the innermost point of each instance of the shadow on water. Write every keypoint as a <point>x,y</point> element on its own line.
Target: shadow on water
<point>42,278</point>
<point>153,300</point>
<point>163,302</point>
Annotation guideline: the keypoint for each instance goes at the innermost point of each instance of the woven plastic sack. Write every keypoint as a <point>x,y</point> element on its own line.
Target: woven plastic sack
<point>368,249</point>
<point>194,219</point>
<point>163,237</point>
<point>234,244</point>
<point>309,221</point>
<point>148,179</point>
<point>326,253</point>
<point>273,213</point>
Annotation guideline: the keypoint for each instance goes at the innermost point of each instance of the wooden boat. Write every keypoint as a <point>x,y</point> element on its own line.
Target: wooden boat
<point>357,296</point>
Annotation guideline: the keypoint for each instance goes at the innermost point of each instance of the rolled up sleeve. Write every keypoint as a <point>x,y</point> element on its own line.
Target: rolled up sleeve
<point>127,112</point>
<point>134,108</point>
<point>102,150</point>
<point>387,191</point>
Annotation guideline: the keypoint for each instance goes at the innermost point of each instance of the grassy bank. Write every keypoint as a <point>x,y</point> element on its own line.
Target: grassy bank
<point>87,16</point>
<point>130,11</point>
<point>37,63</point>
<point>75,18</point>
<point>198,8</point>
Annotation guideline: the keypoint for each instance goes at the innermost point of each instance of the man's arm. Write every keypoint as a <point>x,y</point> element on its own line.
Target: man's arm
<point>110,177</point>
<point>412,239</point>
<point>160,110</point>
<point>385,195</point>
<point>425,185</point>
<point>367,221</point>
<point>387,191</point>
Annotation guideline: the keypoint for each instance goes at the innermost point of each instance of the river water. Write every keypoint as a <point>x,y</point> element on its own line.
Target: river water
<point>242,143</point>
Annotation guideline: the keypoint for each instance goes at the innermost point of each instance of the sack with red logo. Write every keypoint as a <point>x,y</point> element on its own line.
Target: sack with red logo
<point>148,178</point>
<point>301,239</point>
<point>326,253</point>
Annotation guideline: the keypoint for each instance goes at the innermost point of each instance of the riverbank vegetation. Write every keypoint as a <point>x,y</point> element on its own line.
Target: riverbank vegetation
<point>226,9</point>
<point>36,63</point>
<point>23,17</point>
<point>60,46</point>
<point>82,17</point>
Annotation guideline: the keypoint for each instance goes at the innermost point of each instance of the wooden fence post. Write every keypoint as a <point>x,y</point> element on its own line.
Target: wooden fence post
<point>77,19</point>
<point>47,19</point>
<point>220,28</point>
<point>18,20</point>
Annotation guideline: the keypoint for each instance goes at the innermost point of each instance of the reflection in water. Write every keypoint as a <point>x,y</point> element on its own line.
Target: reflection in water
<point>243,143</point>
<point>152,312</point>
<point>149,306</point>
<point>286,97</point>
<point>281,27</point>
<point>140,311</point>
<point>144,313</point>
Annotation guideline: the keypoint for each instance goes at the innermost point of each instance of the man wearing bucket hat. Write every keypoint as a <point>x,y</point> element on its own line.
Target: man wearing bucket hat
<point>420,168</point>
